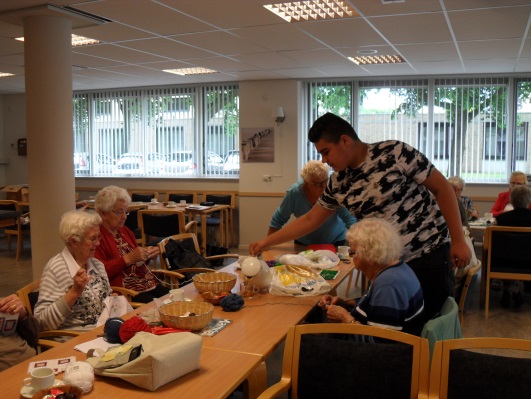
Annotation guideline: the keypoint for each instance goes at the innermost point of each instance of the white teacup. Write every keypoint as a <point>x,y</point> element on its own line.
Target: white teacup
<point>177,295</point>
<point>182,202</point>
<point>171,203</point>
<point>343,251</point>
<point>41,377</point>
<point>154,200</point>
<point>488,215</point>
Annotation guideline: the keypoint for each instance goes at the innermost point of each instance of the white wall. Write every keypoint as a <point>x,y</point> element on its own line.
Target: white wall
<point>12,128</point>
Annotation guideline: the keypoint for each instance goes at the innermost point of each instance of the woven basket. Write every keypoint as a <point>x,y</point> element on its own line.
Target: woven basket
<point>214,282</point>
<point>173,315</point>
<point>65,388</point>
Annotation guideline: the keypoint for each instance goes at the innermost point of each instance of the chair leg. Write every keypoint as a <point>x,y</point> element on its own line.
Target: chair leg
<point>20,242</point>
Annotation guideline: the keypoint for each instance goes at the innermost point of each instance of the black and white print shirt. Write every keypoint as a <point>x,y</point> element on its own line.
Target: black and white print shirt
<point>388,185</point>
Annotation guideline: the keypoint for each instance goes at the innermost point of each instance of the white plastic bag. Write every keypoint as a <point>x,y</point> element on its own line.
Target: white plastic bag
<point>295,280</point>
<point>320,259</point>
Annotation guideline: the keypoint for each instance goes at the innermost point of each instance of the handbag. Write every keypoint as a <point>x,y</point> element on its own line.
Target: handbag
<point>163,358</point>
<point>179,257</point>
<point>213,250</point>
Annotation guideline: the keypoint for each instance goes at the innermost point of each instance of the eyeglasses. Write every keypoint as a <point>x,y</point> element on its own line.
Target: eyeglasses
<point>121,212</point>
<point>319,184</point>
<point>515,183</point>
<point>93,240</point>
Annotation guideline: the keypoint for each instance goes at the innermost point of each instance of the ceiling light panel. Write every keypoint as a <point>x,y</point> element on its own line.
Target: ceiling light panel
<point>191,71</point>
<point>5,74</point>
<point>377,59</point>
<point>311,10</point>
<point>76,40</point>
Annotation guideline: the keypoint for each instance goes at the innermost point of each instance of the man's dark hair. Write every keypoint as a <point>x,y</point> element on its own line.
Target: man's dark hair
<point>330,127</point>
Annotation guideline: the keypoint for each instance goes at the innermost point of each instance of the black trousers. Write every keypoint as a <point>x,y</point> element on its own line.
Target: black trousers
<point>434,271</point>
<point>157,292</point>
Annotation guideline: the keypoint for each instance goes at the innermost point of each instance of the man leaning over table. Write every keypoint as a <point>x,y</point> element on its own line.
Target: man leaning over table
<point>393,181</point>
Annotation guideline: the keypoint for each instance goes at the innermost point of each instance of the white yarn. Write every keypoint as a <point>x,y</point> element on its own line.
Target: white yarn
<point>80,374</point>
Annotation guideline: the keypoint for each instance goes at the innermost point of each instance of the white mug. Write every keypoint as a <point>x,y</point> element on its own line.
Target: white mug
<point>41,377</point>
<point>182,202</point>
<point>171,203</point>
<point>488,215</point>
<point>154,200</point>
<point>343,251</point>
<point>177,295</point>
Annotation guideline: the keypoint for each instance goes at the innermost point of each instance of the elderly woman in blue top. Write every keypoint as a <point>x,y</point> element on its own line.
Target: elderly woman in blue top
<point>394,299</point>
<point>301,197</point>
<point>74,284</point>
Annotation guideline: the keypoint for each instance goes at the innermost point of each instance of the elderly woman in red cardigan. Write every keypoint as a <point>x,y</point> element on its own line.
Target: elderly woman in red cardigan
<point>124,260</point>
<point>502,203</point>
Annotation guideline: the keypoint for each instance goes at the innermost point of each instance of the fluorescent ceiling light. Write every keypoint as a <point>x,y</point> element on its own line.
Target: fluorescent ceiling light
<point>76,40</point>
<point>377,59</point>
<point>5,74</point>
<point>190,71</point>
<point>311,10</point>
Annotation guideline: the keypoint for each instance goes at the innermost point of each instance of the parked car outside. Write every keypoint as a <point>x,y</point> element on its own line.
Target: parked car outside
<point>129,164</point>
<point>81,163</point>
<point>103,164</point>
<point>155,163</point>
<point>214,163</point>
<point>232,162</point>
<point>180,162</point>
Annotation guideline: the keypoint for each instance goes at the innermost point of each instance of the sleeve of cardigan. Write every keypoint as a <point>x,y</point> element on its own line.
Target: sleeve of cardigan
<point>498,206</point>
<point>107,253</point>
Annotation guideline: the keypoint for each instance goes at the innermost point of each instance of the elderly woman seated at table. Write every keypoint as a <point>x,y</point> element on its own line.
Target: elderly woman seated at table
<point>124,260</point>
<point>394,299</point>
<point>74,284</point>
<point>20,344</point>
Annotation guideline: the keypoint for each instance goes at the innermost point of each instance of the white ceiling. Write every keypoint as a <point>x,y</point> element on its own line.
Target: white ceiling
<point>244,41</point>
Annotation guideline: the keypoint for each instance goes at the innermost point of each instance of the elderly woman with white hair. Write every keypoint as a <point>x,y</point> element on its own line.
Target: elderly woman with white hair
<point>458,184</point>
<point>394,299</point>
<point>74,284</point>
<point>301,197</point>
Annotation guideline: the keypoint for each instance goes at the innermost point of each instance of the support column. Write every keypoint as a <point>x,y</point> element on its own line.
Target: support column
<point>48,69</point>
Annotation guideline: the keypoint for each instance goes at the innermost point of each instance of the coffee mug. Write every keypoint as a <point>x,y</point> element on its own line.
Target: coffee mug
<point>171,203</point>
<point>177,295</point>
<point>343,251</point>
<point>182,202</point>
<point>154,200</point>
<point>488,215</point>
<point>41,377</point>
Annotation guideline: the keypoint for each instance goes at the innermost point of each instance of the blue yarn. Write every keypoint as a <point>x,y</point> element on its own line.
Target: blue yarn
<point>232,303</point>
<point>111,330</point>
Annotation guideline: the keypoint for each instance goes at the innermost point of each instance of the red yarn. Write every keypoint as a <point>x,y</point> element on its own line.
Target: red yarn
<point>130,327</point>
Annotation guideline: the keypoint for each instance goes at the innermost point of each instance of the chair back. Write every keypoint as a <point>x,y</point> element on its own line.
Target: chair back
<point>395,366</point>
<point>143,196</point>
<point>157,224</point>
<point>29,295</point>
<point>462,368</point>
<point>8,205</point>
<point>190,198</point>
<point>508,255</point>
<point>445,326</point>
<point>465,297</point>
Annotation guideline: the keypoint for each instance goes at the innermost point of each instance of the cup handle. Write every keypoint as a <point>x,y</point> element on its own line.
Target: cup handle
<point>27,382</point>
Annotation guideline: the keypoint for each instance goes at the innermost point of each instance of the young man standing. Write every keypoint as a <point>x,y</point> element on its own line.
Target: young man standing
<point>393,181</point>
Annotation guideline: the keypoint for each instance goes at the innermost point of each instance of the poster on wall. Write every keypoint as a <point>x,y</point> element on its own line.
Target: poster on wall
<point>257,145</point>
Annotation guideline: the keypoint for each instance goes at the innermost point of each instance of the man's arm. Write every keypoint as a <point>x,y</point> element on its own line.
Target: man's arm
<point>299,227</point>
<point>444,193</point>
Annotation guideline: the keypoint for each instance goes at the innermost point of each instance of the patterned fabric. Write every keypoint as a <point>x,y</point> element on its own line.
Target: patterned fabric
<point>393,301</point>
<point>468,204</point>
<point>296,202</point>
<point>52,311</point>
<point>137,276</point>
<point>389,185</point>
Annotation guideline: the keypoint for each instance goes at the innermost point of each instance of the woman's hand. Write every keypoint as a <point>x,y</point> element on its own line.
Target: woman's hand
<point>152,252</point>
<point>139,254</point>
<point>338,314</point>
<point>13,305</point>
<point>328,300</point>
<point>256,248</point>
<point>81,279</point>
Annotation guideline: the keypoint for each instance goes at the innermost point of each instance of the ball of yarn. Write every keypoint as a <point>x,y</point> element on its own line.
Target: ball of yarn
<point>232,303</point>
<point>80,374</point>
<point>111,330</point>
<point>132,326</point>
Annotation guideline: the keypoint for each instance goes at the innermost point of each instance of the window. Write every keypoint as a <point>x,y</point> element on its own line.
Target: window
<point>159,132</point>
<point>464,126</point>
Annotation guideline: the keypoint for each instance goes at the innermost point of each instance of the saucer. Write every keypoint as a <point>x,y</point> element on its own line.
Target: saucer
<point>171,206</point>
<point>29,391</point>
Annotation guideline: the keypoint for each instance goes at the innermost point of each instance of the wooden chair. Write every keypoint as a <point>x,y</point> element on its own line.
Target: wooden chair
<point>217,220</point>
<point>464,298</point>
<point>19,229</point>
<point>508,256</point>
<point>321,362</point>
<point>177,196</point>
<point>29,295</point>
<point>128,294</point>
<point>156,224</point>
<point>458,372</point>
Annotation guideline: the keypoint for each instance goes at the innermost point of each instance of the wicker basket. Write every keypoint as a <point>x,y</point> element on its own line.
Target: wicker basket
<point>214,282</point>
<point>173,315</point>
<point>72,389</point>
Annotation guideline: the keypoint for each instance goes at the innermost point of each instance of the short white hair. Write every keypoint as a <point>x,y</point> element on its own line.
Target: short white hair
<point>108,196</point>
<point>314,169</point>
<point>375,240</point>
<point>456,182</point>
<point>74,224</point>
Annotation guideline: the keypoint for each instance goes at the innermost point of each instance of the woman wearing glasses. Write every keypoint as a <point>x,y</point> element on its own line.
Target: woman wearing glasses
<point>74,284</point>
<point>301,197</point>
<point>124,260</point>
<point>502,203</point>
